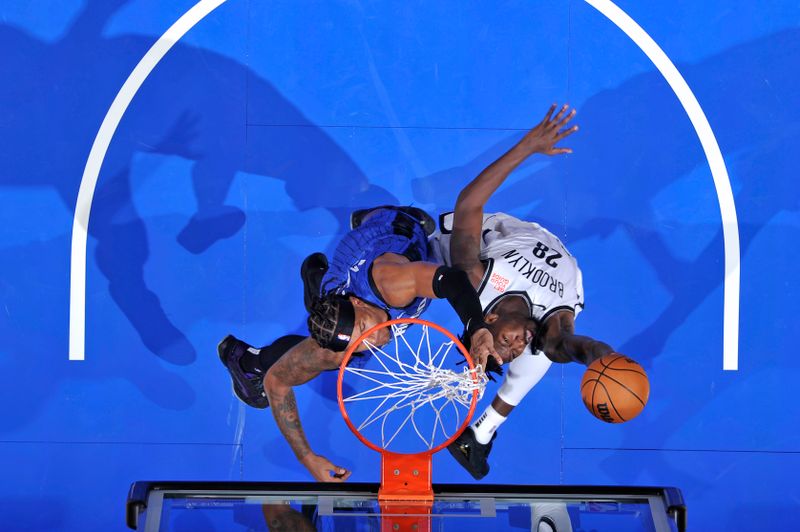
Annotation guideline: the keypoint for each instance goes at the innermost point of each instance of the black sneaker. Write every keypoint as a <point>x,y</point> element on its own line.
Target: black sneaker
<point>312,271</point>
<point>248,387</point>
<point>428,224</point>
<point>471,454</point>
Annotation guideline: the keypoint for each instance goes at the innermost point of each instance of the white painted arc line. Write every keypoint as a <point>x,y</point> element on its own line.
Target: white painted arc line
<point>91,172</point>
<point>77,323</point>
<point>727,206</point>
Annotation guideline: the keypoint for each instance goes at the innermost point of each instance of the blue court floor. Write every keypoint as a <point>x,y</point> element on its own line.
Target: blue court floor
<point>246,146</point>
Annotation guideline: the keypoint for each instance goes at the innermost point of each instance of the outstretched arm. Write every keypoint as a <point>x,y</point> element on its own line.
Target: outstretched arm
<point>562,345</point>
<point>400,281</point>
<point>468,215</point>
<point>299,365</point>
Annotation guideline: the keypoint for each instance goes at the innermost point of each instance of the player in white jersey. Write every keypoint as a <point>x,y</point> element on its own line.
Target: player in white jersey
<point>529,285</point>
<point>522,259</point>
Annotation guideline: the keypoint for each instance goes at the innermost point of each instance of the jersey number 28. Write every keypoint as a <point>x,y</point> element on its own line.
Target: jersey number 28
<point>540,252</point>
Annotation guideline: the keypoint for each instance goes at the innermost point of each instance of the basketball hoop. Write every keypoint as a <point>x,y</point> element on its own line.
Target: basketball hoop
<point>417,392</point>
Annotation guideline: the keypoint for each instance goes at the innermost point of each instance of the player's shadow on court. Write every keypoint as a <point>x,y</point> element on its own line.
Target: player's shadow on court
<point>635,143</point>
<point>191,107</point>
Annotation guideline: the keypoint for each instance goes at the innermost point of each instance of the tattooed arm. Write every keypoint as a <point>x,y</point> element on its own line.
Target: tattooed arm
<point>299,365</point>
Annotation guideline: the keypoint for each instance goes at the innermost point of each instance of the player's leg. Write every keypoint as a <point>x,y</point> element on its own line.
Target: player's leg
<point>422,217</point>
<point>247,365</point>
<point>471,449</point>
<point>524,372</point>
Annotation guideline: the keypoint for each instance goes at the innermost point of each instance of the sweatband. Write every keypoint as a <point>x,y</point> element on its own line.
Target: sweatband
<point>345,323</point>
<point>453,284</point>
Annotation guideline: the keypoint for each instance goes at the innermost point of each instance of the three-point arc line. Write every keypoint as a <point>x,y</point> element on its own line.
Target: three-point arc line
<point>730,227</point>
<point>722,183</point>
<point>91,172</point>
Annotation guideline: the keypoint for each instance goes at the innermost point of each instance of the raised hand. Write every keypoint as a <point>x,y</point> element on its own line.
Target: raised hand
<point>482,347</point>
<point>323,469</point>
<point>544,137</point>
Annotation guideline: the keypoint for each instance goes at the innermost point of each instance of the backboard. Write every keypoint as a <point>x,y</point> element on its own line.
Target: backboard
<point>250,506</point>
<point>413,378</point>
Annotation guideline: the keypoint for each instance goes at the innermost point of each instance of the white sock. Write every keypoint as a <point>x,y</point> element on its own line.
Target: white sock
<point>487,424</point>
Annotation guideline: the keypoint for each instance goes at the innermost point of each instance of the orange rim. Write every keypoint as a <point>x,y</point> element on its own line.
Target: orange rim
<point>349,354</point>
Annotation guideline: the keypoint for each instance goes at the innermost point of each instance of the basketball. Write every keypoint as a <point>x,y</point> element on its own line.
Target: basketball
<point>615,388</point>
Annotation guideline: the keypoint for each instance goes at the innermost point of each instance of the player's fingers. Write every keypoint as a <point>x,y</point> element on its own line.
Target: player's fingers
<point>559,151</point>
<point>341,474</point>
<point>331,476</point>
<point>569,116</point>
<point>549,113</point>
<point>566,133</point>
<point>497,358</point>
<point>559,116</point>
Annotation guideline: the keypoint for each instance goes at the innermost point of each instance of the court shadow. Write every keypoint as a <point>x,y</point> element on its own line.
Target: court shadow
<point>626,156</point>
<point>191,107</point>
<point>38,513</point>
<point>618,171</point>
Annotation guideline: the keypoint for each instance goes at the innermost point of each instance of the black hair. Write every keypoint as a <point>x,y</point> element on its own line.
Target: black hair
<point>331,320</point>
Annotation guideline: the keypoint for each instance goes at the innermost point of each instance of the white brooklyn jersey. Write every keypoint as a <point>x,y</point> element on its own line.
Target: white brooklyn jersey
<point>522,259</point>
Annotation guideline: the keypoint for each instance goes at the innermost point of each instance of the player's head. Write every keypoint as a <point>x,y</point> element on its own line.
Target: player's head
<point>512,332</point>
<point>336,321</point>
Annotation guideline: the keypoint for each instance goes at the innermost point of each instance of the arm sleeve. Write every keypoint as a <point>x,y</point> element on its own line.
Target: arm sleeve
<point>453,284</point>
<point>524,372</point>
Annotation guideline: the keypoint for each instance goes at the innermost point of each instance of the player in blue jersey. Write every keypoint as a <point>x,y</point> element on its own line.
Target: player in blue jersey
<point>379,271</point>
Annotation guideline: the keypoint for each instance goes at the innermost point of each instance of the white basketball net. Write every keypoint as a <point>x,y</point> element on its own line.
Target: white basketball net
<point>418,382</point>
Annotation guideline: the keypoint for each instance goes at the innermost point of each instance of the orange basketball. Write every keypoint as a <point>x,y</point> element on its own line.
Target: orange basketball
<point>615,388</point>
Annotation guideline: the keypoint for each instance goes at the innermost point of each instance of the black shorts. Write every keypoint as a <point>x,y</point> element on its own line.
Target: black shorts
<point>282,345</point>
<point>278,348</point>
